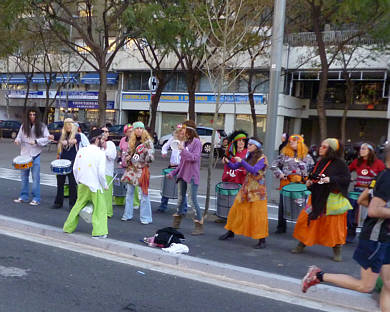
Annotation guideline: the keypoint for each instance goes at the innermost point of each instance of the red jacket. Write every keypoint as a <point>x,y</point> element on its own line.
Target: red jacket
<point>365,173</point>
<point>238,175</point>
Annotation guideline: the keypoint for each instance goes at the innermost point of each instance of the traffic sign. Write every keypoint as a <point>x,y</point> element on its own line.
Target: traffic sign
<point>153,83</point>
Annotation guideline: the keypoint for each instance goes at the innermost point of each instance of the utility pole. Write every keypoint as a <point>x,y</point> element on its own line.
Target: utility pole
<point>275,73</point>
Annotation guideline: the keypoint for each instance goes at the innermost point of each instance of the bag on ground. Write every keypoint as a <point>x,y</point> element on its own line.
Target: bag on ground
<point>167,236</point>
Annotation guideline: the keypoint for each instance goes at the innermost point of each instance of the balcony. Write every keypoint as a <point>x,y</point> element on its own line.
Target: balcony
<point>381,105</point>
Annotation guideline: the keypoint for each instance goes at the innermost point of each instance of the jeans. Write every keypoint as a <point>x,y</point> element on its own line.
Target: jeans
<point>193,188</point>
<point>145,208</point>
<point>36,189</point>
<point>164,203</point>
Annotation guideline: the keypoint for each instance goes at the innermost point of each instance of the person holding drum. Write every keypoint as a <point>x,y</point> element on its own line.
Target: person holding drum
<point>367,167</point>
<point>89,170</point>
<point>33,135</point>
<point>173,143</point>
<point>110,150</point>
<point>139,156</point>
<point>123,148</point>
<point>248,215</point>
<point>324,219</point>
<point>188,174</point>
<point>292,166</point>
<point>373,250</point>
<point>67,148</point>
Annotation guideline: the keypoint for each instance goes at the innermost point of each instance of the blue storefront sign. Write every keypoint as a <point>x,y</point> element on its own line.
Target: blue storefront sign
<point>206,98</point>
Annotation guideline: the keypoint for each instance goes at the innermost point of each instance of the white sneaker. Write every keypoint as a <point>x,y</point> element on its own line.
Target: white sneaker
<point>124,219</point>
<point>100,236</point>
<point>18,200</point>
<point>145,222</point>
<point>34,203</point>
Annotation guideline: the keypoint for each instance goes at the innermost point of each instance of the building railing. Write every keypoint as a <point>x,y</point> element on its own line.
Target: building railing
<point>329,37</point>
<point>329,104</point>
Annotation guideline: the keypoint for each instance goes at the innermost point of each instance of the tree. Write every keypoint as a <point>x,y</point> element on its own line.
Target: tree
<point>229,25</point>
<point>360,17</point>
<point>100,26</point>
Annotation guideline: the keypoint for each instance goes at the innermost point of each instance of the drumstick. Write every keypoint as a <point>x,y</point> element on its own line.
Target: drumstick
<point>112,180</point>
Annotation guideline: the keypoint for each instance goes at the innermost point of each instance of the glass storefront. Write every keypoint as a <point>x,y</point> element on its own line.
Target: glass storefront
<point>170,120</point>
<point>244,122</point>
<point>206,120</point>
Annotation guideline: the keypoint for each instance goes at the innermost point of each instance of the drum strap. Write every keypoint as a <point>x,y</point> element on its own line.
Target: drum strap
<point>36,156</point>
<point>322,171</point>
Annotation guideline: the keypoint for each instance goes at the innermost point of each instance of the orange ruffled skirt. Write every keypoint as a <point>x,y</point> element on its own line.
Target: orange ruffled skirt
<point>326,230</point>
<point>248,218</point>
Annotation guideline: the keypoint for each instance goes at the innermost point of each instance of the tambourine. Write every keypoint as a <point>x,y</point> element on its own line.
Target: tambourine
<point>140,148</point>
<point>175,145</point>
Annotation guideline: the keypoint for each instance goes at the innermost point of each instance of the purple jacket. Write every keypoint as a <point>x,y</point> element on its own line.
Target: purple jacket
<point>252,169</point>
<point>189,166</point>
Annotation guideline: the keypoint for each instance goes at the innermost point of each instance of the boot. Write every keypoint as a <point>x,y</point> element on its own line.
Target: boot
<point>299,248</point>
<point>228,234</point>
<point>337,253</point>
<point>198,230</point>
<point>260,244</point>
<point>176,221</point>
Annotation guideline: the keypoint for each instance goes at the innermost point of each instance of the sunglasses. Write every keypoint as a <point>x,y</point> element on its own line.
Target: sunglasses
<point>32,114</point>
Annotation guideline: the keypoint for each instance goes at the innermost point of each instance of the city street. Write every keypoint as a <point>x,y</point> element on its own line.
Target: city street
<point>275,259</point>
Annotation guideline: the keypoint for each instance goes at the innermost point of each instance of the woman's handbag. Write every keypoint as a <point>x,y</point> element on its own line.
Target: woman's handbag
<point>337,204</point>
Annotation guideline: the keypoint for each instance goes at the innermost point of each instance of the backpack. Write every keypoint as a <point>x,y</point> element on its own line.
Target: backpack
<point>167,236</point>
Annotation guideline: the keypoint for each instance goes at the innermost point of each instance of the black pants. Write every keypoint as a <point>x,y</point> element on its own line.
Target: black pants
<point>60,190</point>
<point>282,223</point>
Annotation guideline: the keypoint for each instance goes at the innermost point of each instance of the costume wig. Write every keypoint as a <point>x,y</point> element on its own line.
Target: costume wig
<point>301,151</point>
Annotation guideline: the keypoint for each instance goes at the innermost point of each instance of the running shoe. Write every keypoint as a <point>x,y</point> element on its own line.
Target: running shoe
<point>34,203</point>
<point>310,278</point>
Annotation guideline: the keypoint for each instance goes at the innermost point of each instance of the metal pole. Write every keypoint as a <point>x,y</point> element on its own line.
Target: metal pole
<point>68,78</point>
<point>275,71</point>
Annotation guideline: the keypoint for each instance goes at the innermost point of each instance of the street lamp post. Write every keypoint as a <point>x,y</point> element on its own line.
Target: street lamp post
<point>275,71</point>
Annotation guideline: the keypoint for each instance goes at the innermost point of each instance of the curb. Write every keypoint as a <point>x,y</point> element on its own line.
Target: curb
<point>323,297</point>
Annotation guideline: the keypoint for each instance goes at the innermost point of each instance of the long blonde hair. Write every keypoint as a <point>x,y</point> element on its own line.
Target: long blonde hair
<point>65,136</point>
<point>133,139</point>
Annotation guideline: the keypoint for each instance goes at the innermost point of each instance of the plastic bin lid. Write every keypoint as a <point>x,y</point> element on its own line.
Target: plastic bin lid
<point>354,195</point>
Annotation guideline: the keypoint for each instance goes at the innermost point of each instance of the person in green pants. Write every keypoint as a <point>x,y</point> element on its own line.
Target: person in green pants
<point>110,151</point>
<point>89,171</point>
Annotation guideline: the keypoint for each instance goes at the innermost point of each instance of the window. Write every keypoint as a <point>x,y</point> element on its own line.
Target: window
<point>204,132</point>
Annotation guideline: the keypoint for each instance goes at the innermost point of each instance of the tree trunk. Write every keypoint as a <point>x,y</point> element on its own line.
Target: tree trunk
<point>348,103</point>
<point>193,77</point>
<point>253,113</point>
<point>102,98</point>
<point>321,104</point>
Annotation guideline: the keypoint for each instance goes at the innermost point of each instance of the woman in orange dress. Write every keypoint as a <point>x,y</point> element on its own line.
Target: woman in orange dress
<point>248,215</point>
<point>314,226</point>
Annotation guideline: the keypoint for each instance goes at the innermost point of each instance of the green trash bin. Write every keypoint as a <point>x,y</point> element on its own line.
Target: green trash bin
<point>225,195</point>
<point>294,196</point>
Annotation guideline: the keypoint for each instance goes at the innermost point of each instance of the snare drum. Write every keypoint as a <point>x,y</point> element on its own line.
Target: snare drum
<point>168,186</point>
<point>225,195</point>
<point>61,166</point>
<point>22,162</point>
<point>294,196</point>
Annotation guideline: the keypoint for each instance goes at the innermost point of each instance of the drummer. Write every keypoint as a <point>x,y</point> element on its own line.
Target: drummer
<point>178,135</point>
<point>367,166</point>
<point>110,150</point>
<point>292,166</point>
<point>68,144</point>
<point>33,135</point>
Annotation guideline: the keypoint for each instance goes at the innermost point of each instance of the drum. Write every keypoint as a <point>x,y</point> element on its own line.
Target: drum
<point>168,186</point>
<point>22,162</point>
<point>61,166</point>
<point>225,195</point>
<point>86,213</point>
<point>294,196</point>
<point>119,188</point>
<point>362,215</point>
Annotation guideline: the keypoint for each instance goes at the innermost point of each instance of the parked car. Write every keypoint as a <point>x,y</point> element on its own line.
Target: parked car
<point>9,128</point>
<point>116,133</point>
<point>55,127</point>
<point>205,134</point>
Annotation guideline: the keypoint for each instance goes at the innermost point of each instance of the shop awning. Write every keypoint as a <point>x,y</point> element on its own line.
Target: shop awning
<point>93,78</point>
<point>64,78</point>
<point>13,78</point>
<point>42,78</point>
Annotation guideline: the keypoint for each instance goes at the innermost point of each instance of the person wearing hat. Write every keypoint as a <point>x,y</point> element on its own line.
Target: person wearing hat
<point>292,166</point>
<point>367,166</point>
<point>324,219</point>
<point>67,147</point>
<point>248,215</point>
<point>140,154</point>
<point>89,170</point>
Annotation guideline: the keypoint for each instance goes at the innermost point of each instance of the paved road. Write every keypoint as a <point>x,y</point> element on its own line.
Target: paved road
<point>37,278</point>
